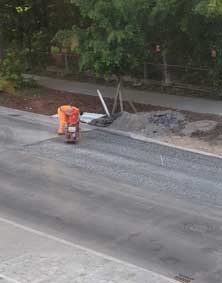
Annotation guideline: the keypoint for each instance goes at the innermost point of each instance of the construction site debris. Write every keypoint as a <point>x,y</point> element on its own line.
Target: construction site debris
<point>89,117</point>
<point>105,121</point>
<point>152,124</point>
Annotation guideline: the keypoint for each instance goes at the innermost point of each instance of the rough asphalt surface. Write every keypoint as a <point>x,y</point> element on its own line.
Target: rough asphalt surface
<point>150,205</point>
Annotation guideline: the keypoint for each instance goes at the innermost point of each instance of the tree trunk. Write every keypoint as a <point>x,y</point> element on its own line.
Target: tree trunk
<point>119,85</point>
<point>166,74</point>
<point>66,63</point>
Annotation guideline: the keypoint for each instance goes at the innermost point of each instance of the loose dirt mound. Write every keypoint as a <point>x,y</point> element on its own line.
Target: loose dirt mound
<point>152,124</point>
<point>199,127</point>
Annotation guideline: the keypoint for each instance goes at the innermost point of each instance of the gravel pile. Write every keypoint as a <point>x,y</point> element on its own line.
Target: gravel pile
<point>152,124</point>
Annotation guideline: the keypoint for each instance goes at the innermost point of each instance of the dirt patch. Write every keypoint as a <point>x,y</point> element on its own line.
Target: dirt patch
<point>46,101</point>
<point>214,136</point>
<point>195,143</point>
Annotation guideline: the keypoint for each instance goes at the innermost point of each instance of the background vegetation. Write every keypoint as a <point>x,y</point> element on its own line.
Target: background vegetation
<point>111,37</point>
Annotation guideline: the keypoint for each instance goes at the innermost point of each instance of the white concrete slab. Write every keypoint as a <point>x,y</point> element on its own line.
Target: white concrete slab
<point>89,117</point>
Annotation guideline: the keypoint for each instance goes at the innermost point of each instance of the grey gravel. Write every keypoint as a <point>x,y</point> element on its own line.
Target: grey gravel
<point>156,123</point>
<point>183,174</point>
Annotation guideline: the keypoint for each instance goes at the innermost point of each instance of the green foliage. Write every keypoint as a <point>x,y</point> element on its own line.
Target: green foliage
<point>11,73</point>
<point>31,25</point>
<point>7,86</point>
<point>12,68</point>
<point>66,39</point>
<point>22,9</point>
<point>55,50</point>
<point>114,41</point>
<point>115,36</point>
<point>187,31</point>
<point>209,8</point>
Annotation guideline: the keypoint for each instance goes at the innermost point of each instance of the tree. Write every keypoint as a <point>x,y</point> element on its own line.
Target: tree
<point>186,31</point>
<point>30,25</point>
<point>209,8</point>
<point>116,36</point>
<point>112,37</point>
<point>210,13</point>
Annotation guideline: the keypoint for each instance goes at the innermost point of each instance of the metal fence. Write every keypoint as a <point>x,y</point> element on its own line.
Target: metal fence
<point>184,77</point>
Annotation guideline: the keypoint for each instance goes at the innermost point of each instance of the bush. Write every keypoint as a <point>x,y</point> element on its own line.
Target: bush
<point>55,50</point>
<point>7,86</point>
<point>12,67</point>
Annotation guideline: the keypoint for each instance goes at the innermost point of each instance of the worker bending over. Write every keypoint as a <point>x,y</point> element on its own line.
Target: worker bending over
<point>64,113</point>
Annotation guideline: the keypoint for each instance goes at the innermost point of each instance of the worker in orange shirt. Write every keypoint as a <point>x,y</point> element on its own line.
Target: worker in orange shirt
<point>64,113</point>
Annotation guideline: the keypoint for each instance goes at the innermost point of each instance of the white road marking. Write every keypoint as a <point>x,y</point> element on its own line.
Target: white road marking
<point>161,158</point>
<point>11,280</point>
<point>70,244</point>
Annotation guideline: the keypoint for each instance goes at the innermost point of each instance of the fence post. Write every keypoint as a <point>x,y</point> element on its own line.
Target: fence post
<point>166,74</point>
<point>66,63</point>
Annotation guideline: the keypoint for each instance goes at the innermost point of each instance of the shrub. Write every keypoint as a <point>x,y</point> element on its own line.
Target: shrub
<point>7,86</point>
<point>12,68</point>
<point>55,50</point>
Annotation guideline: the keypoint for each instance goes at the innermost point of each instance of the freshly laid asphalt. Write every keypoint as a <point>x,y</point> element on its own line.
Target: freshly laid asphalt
<point>153,206</point>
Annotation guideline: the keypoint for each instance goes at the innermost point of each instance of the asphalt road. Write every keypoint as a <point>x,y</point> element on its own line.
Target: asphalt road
<point>150,205</point>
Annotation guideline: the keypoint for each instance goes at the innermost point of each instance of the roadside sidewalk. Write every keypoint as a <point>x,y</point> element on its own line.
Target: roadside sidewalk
<point>28,255</point>
<point>198,105</point>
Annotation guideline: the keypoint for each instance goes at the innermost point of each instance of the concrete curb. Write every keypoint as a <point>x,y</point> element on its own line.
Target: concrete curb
<point>154,141</point>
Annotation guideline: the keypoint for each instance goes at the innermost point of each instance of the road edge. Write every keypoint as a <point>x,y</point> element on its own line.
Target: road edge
<point>119,133</point>
<point>154,141</point>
